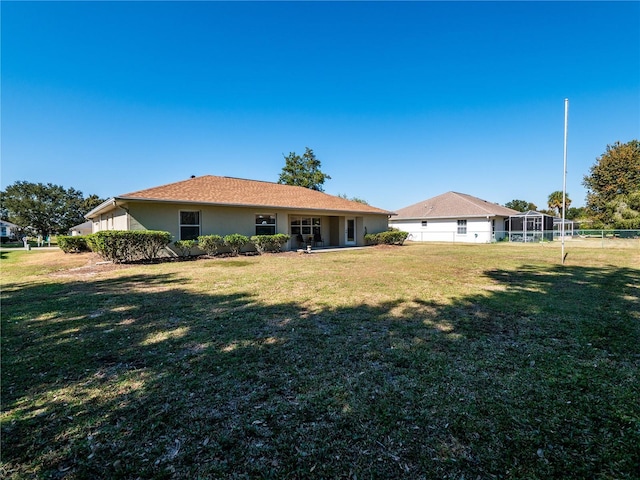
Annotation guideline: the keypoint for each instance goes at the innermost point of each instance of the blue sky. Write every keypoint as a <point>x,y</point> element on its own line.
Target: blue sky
<point>399,101</point>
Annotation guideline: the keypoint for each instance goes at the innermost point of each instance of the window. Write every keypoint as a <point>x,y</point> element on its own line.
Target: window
<point>189,225</point>
<point>424,223</point>
<point>462,227</point>
<point>305,225</point>
<point>265,224</point>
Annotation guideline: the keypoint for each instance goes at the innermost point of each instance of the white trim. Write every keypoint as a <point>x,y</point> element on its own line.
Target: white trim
<point>180,224</point>
<point>354,241</point>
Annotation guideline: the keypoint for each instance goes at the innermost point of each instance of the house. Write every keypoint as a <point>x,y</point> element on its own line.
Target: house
<point>8,231</point>
<point>453,217</point>
<point>82,229</point>
<point>213,205</point>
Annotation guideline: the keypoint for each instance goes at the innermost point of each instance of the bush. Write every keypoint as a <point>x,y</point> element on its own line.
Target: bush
<point>211,244</point>
<point>235,242</point>
<point>270,243</point>
<point>73,244</point>
<point>390,237</point>
<point>126,246</point>
<point>184,247</point>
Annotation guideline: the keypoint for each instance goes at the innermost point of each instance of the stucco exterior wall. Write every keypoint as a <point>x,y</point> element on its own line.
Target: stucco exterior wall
<point>115,219</point>
<point>479,230</point>
<point>217,220</point>
<point>372,224</point>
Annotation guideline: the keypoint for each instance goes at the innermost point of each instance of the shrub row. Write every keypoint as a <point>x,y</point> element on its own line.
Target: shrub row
<point>390,237</point>
<point>126,246</point>
<point>211,244</point>
<point>73,244</point>
<point>119,246</point>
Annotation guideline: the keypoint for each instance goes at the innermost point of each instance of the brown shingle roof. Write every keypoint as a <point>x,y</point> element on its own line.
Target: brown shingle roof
<point>453,205</point>
<point>210,189</point>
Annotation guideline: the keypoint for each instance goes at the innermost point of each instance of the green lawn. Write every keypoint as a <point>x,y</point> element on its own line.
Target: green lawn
<point>421,361</point>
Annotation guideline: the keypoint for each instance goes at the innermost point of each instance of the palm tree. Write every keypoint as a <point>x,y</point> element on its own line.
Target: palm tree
<point>555,202</point>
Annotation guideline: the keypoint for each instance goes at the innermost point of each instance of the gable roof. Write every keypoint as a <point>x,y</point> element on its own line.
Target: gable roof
<point>453,205</point>
<point>531,213</point>
<point>238,192</point>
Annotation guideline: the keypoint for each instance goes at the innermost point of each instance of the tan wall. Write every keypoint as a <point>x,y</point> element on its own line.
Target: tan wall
<point>223,221</point>
<point>115,219</point>
<point>213,220</point>
<point>373,224</point>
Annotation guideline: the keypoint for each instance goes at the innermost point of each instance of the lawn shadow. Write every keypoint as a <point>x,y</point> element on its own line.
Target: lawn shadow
<point>137,376</point>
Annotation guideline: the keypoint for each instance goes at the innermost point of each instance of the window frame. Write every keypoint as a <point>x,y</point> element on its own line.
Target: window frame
<point>305,225</point>
<point>189,225</point>
<point>462,227</point>
<point>266,224</point>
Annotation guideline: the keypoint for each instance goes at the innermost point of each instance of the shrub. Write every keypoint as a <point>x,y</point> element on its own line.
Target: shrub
<point>149,243</point>
<point>72,244</point>
<point>235,242</point>
<point>211,244</point>
<point>126,246</point>
<point>390,237</point>
<point>371,239</point>
<point>270,243</point>
<point>184,246</point>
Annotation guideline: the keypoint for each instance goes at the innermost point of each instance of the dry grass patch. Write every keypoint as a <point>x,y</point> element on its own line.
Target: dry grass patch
<point>423,361</point>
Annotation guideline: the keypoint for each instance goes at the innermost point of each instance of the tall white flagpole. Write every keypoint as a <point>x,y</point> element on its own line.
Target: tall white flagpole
<point>564,175</point>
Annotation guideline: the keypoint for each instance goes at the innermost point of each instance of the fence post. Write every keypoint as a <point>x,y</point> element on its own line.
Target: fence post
<point>602,238</point>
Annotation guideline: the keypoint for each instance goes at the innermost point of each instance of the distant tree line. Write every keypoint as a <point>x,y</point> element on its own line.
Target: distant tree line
<point>45,209</point>
<point>613,191</point>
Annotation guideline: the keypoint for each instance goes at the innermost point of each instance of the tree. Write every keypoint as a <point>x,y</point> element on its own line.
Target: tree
<point>91,202</point>
<point>574,213</point>
<point>353,199</point>
<point>521,205</point>
<point>46,208</point>
<point>303,171</point>
<point>614,180</point>
<point>555,202</point>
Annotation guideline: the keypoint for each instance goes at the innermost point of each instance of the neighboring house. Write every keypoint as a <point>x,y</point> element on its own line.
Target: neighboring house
<point>211,205</point>
<point>82,229</point>
<point>453,217</point>
<point>8,231</point>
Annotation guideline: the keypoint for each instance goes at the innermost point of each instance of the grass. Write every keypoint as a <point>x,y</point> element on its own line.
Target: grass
<point>422,361</point>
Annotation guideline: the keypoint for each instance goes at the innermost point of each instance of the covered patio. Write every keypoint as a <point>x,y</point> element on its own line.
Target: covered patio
<point>530,226</point>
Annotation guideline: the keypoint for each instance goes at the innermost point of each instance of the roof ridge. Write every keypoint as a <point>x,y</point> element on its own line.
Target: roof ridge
<point>248,180</point>
<point>465,197</point>
<point>164,185</point>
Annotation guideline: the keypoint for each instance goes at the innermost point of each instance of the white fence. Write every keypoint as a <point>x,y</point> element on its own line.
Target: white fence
<point>587,238</point>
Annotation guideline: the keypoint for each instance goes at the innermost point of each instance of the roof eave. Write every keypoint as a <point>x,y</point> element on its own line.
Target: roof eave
<point>463,215</point>
<point>251,205</point>
<point>103,206</point>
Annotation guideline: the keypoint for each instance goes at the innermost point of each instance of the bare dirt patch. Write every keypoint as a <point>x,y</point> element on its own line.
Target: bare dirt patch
<point>93,265</point>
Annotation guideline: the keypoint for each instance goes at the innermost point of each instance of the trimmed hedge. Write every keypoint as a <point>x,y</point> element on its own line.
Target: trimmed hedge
<point>73,244</point>
<point>211,244</point>
<point>236,243</point>
<point>184,246</point>
<point>121,246</point>
<point>390,237</point>
<point>270,243</point>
